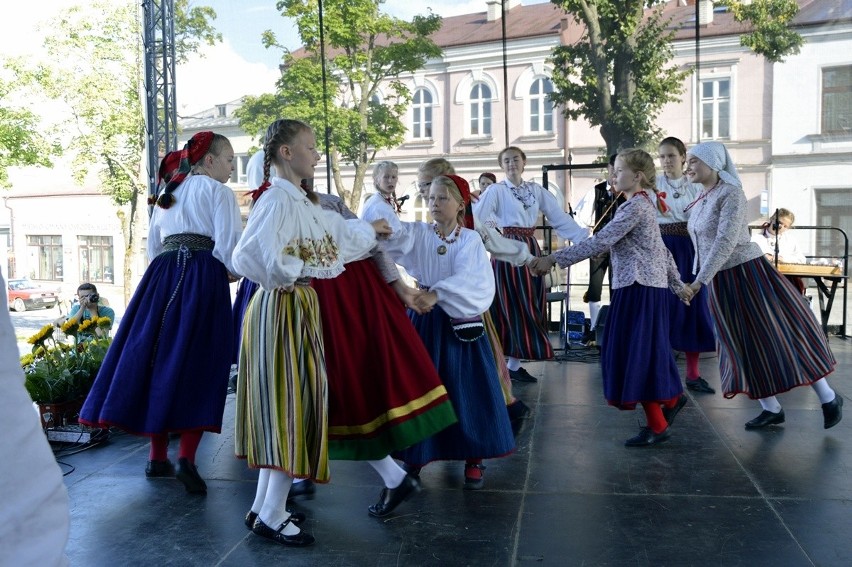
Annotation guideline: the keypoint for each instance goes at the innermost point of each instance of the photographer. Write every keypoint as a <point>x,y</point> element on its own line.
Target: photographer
<point>89,307</point>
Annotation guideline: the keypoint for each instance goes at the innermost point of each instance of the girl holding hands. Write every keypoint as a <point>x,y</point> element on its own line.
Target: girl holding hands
<point>636,359</point>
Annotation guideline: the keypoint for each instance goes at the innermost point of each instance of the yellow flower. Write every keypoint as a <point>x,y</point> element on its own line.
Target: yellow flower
<point>39,352</point>
<point>104,322</point>
<point>39,337</point>
<point>68,326</point>
<point>27,359</point>
<point>85,325</point>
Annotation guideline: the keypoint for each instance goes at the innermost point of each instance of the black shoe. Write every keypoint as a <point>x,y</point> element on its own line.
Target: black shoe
<point>765,418</point>
<point>474,482</point>
<point>390,498</point>
<point>412,470</point>
<point>305,488</point>
<point>671,413</point>
<point>521,375</point>
<point>832,412</point>
<point>648,437</point>
<point>187,473</point>
<point>157,469</point>
<point>589,339</point>
<point>300,539</point>
<point>519,412</point>
<point>699,385</point>
<point>296,518</point>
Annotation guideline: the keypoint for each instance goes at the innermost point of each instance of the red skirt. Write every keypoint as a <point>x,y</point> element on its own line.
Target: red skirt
<point>384,393</point>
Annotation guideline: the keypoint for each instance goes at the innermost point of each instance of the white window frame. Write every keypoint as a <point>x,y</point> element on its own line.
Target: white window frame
<point>715,99</point>
<point>544,107</point>
<point>478,106</point>
<point>462,98</point>
<point>422,108</point>
<point>822,129</point>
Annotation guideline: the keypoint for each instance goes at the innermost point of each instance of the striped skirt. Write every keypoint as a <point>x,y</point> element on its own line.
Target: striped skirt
<point>519,305</point>
<point>384,393</point>
<point>691,325</point>
<point>636,360</point>
<point>468,371</point>
<point>768,338</point>
<point>281,420</point>
<point>167,367</point>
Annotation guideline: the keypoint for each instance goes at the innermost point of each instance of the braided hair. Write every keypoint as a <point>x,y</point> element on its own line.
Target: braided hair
<point>642,163</point>
<point>282,132</point>
<point>194,151</point>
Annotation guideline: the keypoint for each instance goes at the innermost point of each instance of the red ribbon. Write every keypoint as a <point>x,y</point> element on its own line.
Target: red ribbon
<point>661,202</point>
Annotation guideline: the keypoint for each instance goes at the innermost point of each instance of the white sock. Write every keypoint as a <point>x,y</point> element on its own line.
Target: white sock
<point>594,309</point>
<point>770,404</point>
<point>274,512</point>
<point>392,474</point>
<point>513,363</point>
<point>260,494</point>
<point>298,480</point>
<point>823,390</point>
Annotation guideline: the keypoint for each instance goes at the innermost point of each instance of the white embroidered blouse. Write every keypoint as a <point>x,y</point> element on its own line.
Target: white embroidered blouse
<point>288,237</point>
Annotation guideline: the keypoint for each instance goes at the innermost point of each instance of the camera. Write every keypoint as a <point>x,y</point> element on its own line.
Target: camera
<point>94,298</point>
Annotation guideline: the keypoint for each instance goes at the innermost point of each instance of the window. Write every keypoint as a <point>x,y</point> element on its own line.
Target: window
<point>480,110</point>
<point>45,253</point>
<point>837,100</point>
<point>421,126</point>
<point>240,166</point>
<point>541,108</point>
<point>96,259</point>
<point>716,109</point>
<point>420,210</point>
<point>832,209</point>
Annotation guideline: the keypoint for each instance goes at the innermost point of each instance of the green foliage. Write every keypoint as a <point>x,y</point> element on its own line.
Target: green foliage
<point>771,35</point>
<point>21,144</point>
<point>57,371</point>
<point>193,26</point>
<point>368,51</point>
<point>617,75</point>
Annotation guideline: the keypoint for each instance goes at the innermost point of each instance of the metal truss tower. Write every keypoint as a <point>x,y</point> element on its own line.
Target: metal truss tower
<point>160,110</point>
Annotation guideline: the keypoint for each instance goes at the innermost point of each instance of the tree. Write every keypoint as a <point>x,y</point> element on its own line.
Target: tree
<point>617,76</point>
<point>20,141</point>
<point>771,35</point>
<point>95,69</point>
<point>369,51</point>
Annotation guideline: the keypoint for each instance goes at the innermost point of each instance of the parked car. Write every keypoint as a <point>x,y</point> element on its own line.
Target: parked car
<point>23,294</point>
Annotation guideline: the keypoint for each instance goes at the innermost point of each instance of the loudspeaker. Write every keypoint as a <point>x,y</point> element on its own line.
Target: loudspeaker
<point>600,324</point>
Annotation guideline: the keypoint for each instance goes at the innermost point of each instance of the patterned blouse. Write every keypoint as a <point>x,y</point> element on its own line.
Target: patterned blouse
<point>719,232</point>
<point>637,252</point>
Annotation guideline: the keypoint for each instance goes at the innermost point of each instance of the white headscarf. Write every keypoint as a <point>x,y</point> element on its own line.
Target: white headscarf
<point>717,158</point>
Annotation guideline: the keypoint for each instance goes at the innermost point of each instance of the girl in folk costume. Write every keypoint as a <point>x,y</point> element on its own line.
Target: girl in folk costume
<point>519,305</point>
<point>773,234</point>
<point>379,400</point>
<point>383,202</point>
<point>449,261</point>
<point>167,368</point>
<point>691,326</point>
<point>512,251</point>
<point>768,339</point>
<point>636,359</point>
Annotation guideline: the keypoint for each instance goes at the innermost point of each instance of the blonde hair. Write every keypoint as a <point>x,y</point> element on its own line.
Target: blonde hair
<point>446,183</point>
<point>783,214</point>
<point>641,162</point>
<point>435,167</point>
<point>283,132</point>
<point>380,169</point>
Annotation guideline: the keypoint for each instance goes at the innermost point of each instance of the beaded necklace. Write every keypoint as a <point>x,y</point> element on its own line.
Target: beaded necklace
<point>523,194</point>
<point>443,249</point>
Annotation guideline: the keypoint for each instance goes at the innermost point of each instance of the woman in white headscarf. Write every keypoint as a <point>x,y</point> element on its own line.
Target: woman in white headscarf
<point>768,339</point>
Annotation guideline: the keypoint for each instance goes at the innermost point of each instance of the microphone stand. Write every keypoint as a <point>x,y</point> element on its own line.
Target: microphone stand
<point>775,224</point>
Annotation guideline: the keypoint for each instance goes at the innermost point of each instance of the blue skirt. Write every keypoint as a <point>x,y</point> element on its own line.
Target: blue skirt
<point>245,291</point>
<point>167,368</point>
<point>636,359</point>
<point>470,375</point>
<point>691,325</point>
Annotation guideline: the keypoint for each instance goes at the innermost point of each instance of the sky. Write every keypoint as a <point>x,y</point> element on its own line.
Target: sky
<point>238,66</point>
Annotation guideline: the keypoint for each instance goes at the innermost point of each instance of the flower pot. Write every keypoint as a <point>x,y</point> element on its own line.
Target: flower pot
<point>59,414</point>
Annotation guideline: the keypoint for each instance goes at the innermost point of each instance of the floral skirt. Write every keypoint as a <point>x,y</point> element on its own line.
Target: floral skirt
<point>167,367</point>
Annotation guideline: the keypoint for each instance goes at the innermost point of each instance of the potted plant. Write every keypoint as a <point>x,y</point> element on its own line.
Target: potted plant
<point>59,374</point>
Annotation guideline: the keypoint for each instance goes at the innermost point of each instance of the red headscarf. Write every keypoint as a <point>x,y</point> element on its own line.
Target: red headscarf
<point>464,189</point>
<point>168,166</point>
<point>195,149</point>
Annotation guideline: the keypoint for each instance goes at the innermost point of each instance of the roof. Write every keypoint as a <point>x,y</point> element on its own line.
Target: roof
<point>521,21</point>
